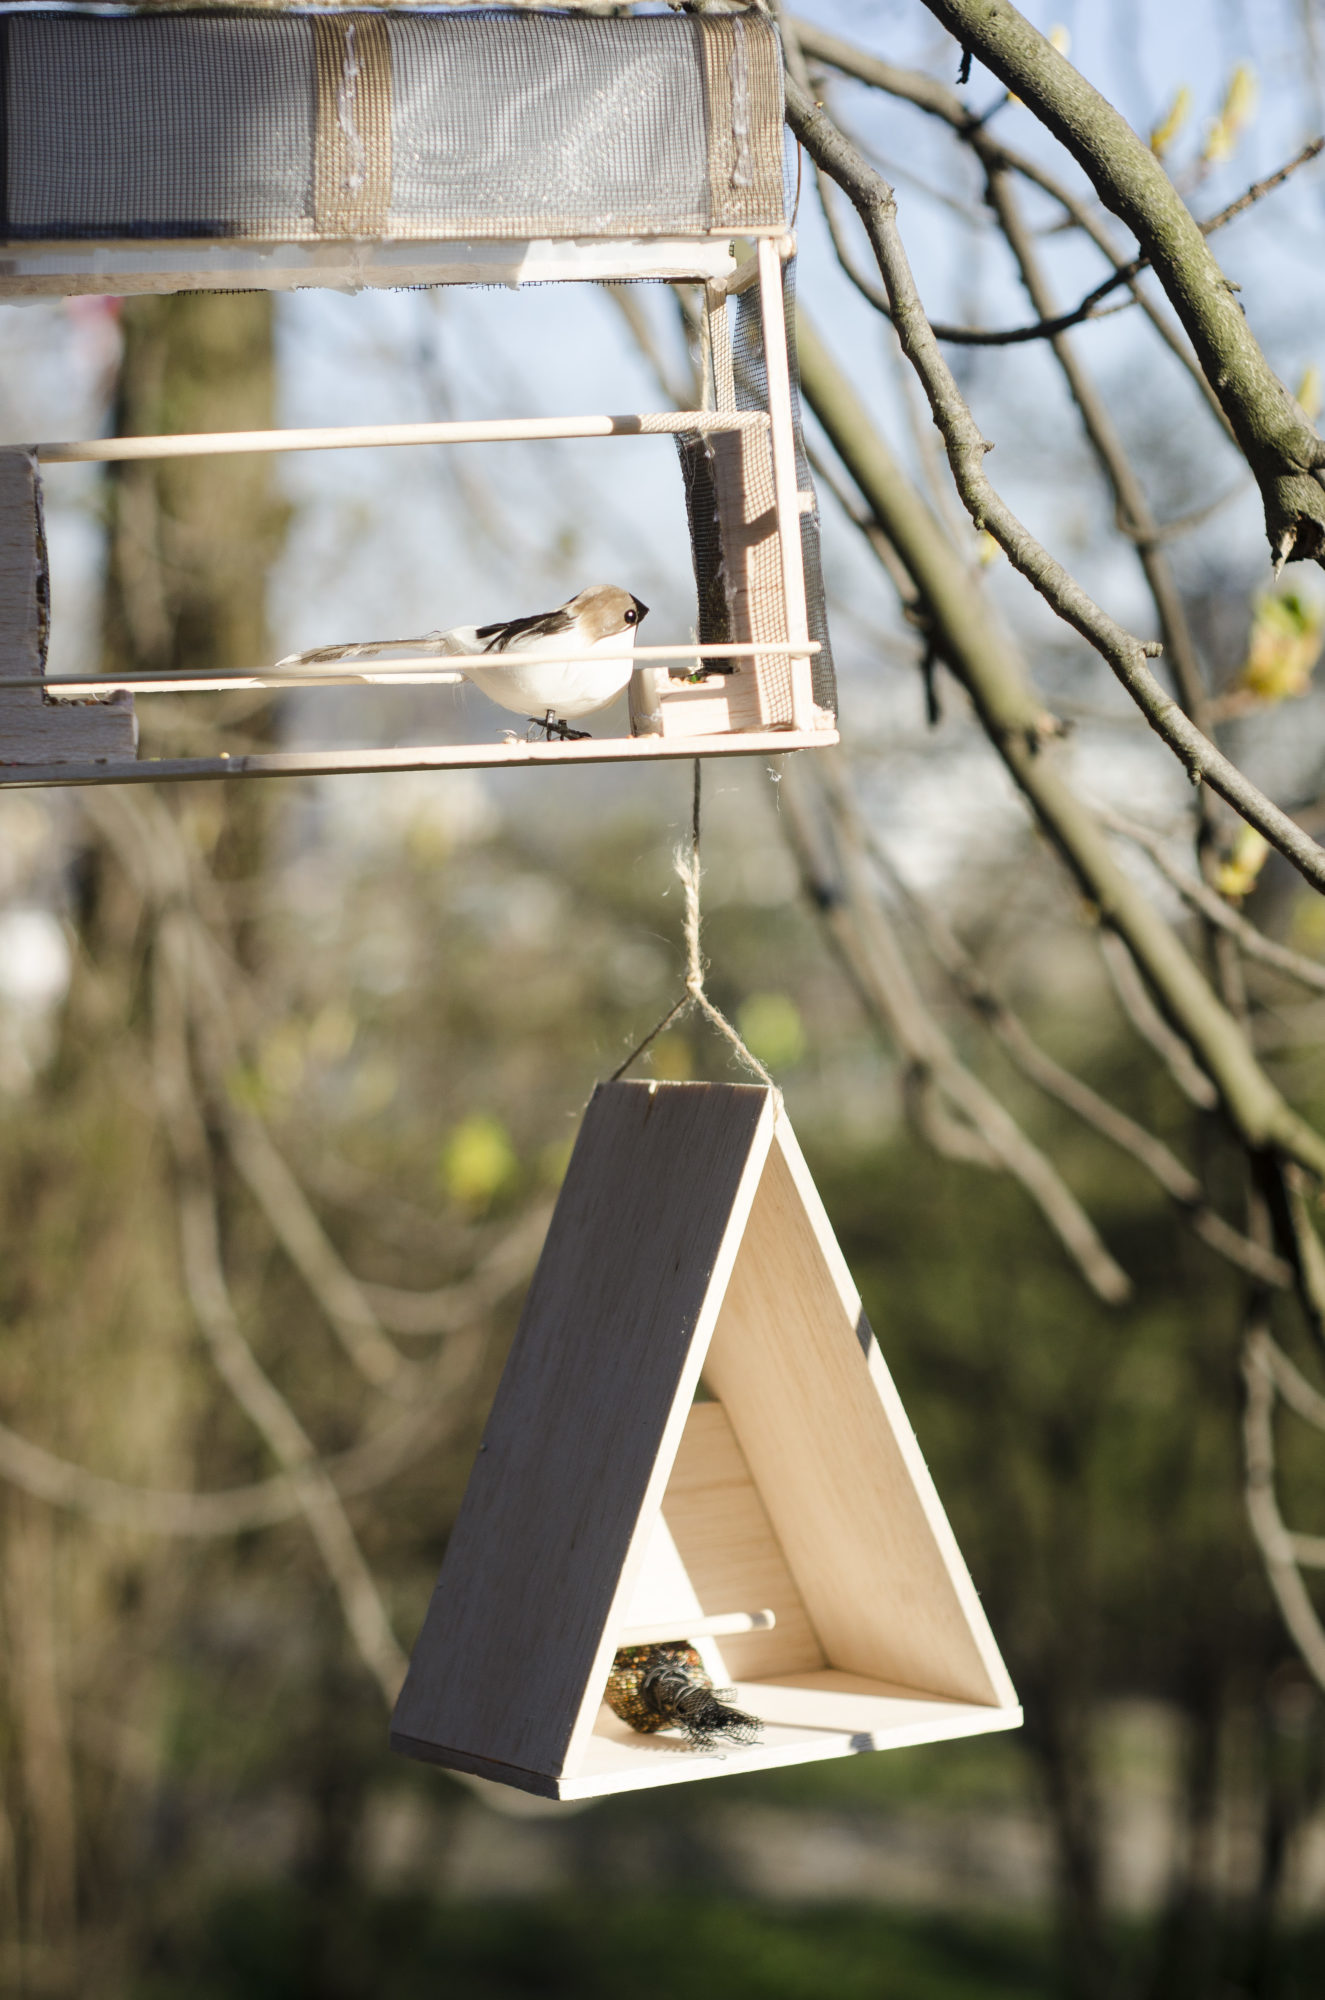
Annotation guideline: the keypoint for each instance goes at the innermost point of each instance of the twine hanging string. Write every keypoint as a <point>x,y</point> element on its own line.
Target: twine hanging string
<point>688,869</point>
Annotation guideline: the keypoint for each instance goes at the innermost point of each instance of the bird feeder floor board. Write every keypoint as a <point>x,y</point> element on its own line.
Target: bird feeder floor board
<point>616,1759</point>
<point>422,757</point>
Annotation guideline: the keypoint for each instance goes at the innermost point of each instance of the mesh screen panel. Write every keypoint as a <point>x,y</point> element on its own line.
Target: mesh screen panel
<point>175,127</point>
<point>752,394</point>
<point>728,483</point>
<point>477,125</point>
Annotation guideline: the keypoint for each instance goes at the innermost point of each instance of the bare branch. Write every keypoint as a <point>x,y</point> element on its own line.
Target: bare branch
<point>432,1417</point>
<point>1162,1164</point>
<point>452,1306</point>
<point>1279,443</point>
<point>977,652</point>
<point>1052,324</point>
<point>966,448</point>
<point>853,917</point>
<point>1276,1544</point>
<point>938,101</point>
<point>209,1295</point>
<point>338,1292</point>
<point>1265,950</point>
<point>1150,1024</point>
<point>1290,1382</point>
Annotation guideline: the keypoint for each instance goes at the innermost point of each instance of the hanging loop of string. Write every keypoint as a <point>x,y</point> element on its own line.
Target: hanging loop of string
<point>688,869</point>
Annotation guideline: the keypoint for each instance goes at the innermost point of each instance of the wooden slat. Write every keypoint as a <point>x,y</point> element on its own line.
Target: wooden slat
<point>372,437</point>
<point>393,666</point>
<point>516,1646</point>
<point>421,757</point>
<point>783,443</point>
<point>119,269</point>
<point>23,581</point>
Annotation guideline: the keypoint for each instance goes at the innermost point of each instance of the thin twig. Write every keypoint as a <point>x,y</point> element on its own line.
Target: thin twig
<point>1304,1401</point>
<point>209,1296</point>
<point>451,1307</point>
<point>1013,715</point>
<point>1135,519</point>
<point>436,1411</point>
<point>1076,1096</point>
<point>936,100</point>
<point>1047,327</point>
<point>1274,1540</point>
<point>1150,1024</point>
<point>1266,950</point>
<point>851,913</point>
<point>1280,444</point>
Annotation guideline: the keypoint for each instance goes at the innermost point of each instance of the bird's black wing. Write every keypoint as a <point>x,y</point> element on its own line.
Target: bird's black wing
<point>544,624</point>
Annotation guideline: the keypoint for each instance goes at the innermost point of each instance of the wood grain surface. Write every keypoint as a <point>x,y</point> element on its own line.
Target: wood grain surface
<point>515,1649</point>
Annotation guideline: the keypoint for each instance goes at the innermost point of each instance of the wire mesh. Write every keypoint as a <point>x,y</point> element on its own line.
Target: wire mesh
<point>492,124</point>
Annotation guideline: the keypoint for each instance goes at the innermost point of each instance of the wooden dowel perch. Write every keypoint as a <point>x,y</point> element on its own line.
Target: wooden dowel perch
<point>425,670</point>
<point>725,1625</point>
<point>360,437</point>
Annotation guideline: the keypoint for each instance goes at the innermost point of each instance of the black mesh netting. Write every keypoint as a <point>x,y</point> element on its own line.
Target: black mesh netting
<point>487,124</point>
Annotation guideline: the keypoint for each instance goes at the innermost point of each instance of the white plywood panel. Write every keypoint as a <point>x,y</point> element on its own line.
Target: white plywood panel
<point>731,1557</point>
<point>835,1460</point>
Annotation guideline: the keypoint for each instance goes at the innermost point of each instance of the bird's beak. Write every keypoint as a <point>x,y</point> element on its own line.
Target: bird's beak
<point>642,609</point>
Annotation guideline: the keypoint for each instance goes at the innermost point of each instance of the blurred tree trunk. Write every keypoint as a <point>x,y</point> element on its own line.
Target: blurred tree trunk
<point>192,539</point>
<point>100,1359</point>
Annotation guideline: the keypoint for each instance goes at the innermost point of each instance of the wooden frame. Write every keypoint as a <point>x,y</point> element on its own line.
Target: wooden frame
<point>722,714</point>
<point>787,1526</point>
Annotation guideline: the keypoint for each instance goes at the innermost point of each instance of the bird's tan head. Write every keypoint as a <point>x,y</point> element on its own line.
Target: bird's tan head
<point>603,611</point>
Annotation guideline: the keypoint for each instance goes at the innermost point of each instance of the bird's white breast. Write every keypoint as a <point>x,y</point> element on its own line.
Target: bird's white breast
<point>518,679</point>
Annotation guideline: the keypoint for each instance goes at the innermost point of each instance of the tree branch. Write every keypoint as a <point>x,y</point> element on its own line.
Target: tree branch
<point>1023,734</point>
<point>914,87</point>
<point>1267,951</point>
<point>1067,1089</point>
<point>209,1295</point>
<point>1151,1026</point>
<point>1275,1542</point>
<point>1279,443</point>
<point>966,448</point>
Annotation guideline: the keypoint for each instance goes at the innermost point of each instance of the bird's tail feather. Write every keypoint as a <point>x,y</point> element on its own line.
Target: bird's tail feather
<point>433,645</point>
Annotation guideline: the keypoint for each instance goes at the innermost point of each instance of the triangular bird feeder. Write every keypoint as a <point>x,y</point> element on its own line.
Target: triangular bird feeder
<point>282,149</point>
<point>695,1429</point>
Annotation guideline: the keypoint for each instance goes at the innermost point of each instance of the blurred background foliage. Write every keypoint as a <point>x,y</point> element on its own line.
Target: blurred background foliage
<point>335,1037</point>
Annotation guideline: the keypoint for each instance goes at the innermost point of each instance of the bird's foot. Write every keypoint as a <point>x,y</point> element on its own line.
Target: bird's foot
<point>553,728</point>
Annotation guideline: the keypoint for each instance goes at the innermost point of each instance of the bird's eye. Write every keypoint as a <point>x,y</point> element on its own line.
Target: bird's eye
<point>632,617</point>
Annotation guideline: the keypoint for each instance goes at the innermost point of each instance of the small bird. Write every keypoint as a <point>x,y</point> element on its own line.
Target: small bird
<point>601,620</point>
<point>666,1687</point>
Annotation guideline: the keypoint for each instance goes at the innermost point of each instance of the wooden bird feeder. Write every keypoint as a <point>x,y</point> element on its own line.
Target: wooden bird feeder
<point>208,150</point>
<point>786,1526</point>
